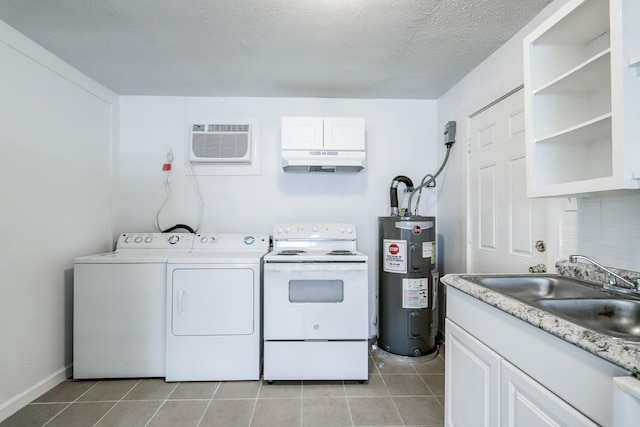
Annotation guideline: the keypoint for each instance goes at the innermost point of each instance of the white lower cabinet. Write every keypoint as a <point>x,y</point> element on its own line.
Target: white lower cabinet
<point>525,403</point>
<point>504,372</point>
<point>473,387</point>
<point>483,389</point>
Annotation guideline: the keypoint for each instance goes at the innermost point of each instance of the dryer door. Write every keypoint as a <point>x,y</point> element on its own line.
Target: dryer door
<point>212,301</point>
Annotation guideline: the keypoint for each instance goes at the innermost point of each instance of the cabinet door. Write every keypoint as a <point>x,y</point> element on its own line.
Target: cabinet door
<point>526,403</point>
<point>302,133</point>
<point>343,133</point>
<point>472,381</point>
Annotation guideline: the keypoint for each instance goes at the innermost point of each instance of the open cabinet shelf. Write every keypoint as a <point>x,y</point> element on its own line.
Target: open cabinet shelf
<point>577,138</point>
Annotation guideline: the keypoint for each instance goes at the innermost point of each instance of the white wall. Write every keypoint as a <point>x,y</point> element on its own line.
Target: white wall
<point>55,170</point>
<point>399,138</point>
<point>605,226</point>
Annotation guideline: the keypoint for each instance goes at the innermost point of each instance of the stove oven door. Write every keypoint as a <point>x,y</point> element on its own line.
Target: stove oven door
<point>316,301</point>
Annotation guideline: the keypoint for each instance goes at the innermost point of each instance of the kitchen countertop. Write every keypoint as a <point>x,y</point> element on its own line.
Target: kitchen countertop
<point>614,350</point>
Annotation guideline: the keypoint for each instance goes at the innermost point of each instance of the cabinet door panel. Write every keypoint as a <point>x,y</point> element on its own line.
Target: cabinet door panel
<point>472,381</point>
<point>302,133</point>
<point>525,403</point>
<point>343,133</point>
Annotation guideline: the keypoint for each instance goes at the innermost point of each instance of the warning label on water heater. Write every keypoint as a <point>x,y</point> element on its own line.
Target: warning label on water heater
<point>394,256</point>
<point>415,293</point>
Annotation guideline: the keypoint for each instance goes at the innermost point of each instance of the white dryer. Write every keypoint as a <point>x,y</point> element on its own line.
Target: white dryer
<point>213,309</point>
<point>119,307</point>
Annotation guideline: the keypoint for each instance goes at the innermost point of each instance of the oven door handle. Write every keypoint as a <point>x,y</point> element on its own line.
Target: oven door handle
<point>315,266</point>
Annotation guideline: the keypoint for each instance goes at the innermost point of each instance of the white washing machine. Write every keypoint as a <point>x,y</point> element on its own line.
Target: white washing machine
<point>213,309</point>
<point>119,307</point>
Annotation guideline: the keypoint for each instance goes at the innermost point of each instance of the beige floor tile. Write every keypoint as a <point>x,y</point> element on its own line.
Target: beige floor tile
<point>323,388</point>
<point>325,412</point>
<point>179,413</point>
<point>435,382</point>
<point>151,389</point>
<point>81,414</point>
<point>281,389</point>
<point>237,390</point>
<point>434,366</point>
<point>373,411</point>
<point>277,412</point>
<point>34,414</point>
<point>130,413</point>
<point>389,366</point>
<point>406,385</point>
<point>228,413</point>
<point>194,390</point>
<point>373,387</point>
<point>108,390</point>
<point>67,391</point>
<point>420,410</point>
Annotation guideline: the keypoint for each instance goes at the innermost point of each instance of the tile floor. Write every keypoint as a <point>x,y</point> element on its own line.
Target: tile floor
<point>398,393</point>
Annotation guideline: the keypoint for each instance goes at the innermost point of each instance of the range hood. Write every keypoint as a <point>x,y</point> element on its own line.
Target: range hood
<point>322,161</point>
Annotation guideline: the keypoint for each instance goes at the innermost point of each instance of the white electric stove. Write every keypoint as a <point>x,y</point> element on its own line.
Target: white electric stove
<point>315,304</point>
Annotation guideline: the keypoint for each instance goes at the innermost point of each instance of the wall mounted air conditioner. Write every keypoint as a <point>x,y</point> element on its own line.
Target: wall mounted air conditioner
<point>221,143</point>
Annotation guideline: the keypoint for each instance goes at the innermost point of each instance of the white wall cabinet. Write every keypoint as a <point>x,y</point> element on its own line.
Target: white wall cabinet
<point>323,133</point>
<point>581,99</point>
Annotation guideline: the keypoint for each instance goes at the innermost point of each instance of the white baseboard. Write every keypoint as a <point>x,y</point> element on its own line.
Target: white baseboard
<point>19,401</point>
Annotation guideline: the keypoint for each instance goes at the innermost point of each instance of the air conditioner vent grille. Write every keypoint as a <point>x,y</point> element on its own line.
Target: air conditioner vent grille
<point>221,145</point>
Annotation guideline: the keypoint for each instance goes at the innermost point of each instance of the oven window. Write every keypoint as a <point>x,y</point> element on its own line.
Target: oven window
<point>316,291</point>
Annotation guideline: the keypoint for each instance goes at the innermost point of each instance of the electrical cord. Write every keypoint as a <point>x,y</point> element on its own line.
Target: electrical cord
<point>156,221</point>
<point>427,182</point>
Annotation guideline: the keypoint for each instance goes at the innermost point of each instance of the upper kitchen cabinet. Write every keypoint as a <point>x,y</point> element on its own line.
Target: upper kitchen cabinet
<point>323,133</point>
<point>582,99</point>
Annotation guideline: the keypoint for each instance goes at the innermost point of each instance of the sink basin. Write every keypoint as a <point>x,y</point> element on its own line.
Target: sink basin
<point>530,288</point>
<point>614,316</point>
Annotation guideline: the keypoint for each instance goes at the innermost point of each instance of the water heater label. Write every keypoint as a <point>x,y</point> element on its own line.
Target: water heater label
<point>394,256</point>
<point>415,293</point>
<point>429,251</point>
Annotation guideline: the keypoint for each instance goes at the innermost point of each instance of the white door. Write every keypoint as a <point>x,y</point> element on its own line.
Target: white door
<point>212,301</point>
<point>504,224</point>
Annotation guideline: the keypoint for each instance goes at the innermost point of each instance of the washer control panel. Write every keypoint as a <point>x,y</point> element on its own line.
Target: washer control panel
<point>155,241</point>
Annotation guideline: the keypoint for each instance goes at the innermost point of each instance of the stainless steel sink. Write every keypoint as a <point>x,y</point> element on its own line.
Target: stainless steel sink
<point>528,288</point>
<point>617,317</point>
<point>582,303</point>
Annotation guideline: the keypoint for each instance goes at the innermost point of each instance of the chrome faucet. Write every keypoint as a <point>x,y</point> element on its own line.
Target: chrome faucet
<point>612,278</point>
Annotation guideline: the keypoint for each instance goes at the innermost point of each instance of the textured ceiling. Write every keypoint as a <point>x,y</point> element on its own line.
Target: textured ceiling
<point>284,48</point>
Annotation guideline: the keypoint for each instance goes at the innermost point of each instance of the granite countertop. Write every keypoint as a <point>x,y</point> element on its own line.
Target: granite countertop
<point>623,354</point>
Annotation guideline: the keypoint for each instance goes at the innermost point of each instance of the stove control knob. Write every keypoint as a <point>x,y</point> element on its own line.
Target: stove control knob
<point>316,327</point>
<point>203,240</point>
<point>173,240</point>
<point>314,229</point>
<point>342,229</point>
<point>279,230</point>
<point>138,239</point>
<point>249,240</point>
<point>148,239</point>
<point>127,239</point>
<point>287,229</point>
<point>350,230</point>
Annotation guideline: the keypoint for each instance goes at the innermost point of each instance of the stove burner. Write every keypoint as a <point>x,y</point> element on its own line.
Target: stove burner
<point>340,252</point>
<point>291,252</point>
